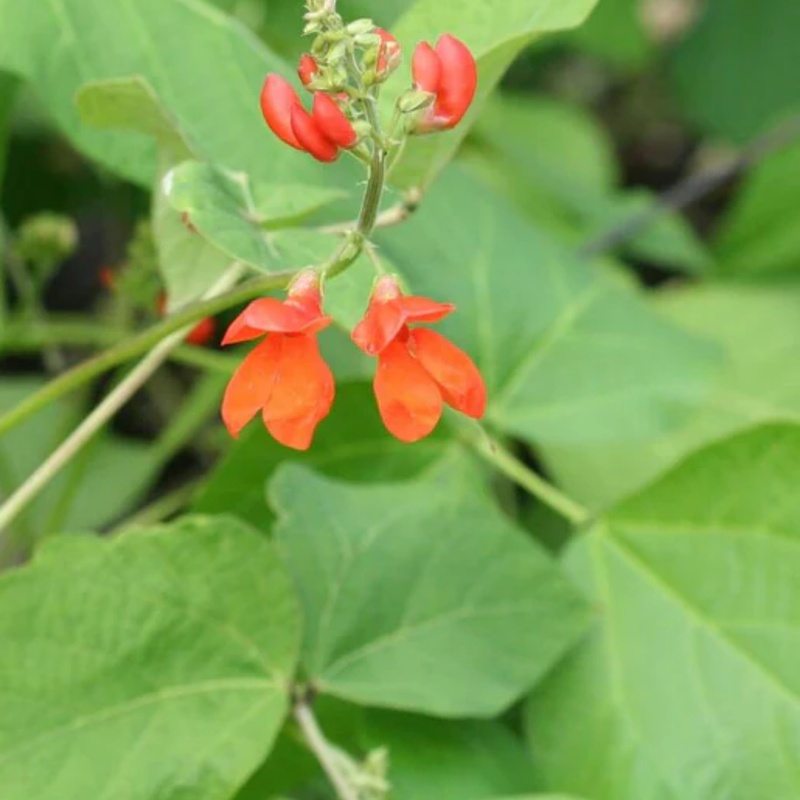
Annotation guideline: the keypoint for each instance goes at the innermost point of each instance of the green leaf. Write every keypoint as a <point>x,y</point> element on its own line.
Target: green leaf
<point>569,353</point>
<point>352,444</point>
<point>232,213</point>
<point>469,614</point>
<point>759,330</point>
<point>156,664</point>
<point>731,96</point>
<point>495,31</point>
<point>689,688</point>
<point>8,96</point>
<point>464,760</point>
<point>759,236</point>
<point>60,46</point>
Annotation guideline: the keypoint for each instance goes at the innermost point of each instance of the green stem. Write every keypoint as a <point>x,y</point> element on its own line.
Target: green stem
<point>137,345</point>
<point>526,478</point>
<point>165,506</point>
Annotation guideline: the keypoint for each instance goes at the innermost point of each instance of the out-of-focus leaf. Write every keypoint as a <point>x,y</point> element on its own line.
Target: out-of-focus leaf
<point>209,79</point>
<point>615,33</point>
<point>464,760</point>
<point>689,689</point>
<point>470,613</point>
<point>568,353</point>
<point>157,664</point>
<point>351,444</point>
<point>759,236</point>
<point>495,31</point>
<point>92,491</point>
<point>8,95</point>
<point>759,330</point>
<point>735,73</point>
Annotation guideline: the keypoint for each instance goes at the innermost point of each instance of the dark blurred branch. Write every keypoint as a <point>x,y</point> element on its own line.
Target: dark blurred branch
<point>695,187</point>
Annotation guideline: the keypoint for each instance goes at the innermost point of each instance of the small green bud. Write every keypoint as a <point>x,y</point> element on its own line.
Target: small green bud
<point>415,100</point>
<point>360,26</point>
<point>45,240</point>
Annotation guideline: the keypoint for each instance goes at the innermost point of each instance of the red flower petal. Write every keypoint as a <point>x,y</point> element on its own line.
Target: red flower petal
<point>453,370</point>
<point>311,137</point>
<point>380,326</point>
<point>251,385</point>
<point>302,394</point>
<point>459,80</point>
<point>307,68</point>
<point>409,400</point>
<point>332,122</point>
<point>389,54</point>
<point>278,98</point>
<point>421,309</point>
<point>268,315</point>
<point>203,332</point>
<point>426,68</point>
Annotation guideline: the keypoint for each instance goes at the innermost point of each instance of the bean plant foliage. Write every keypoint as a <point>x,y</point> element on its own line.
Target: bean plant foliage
<point>489,520</point>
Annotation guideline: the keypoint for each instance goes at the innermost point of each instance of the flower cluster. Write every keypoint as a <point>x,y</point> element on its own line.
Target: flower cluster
<point>286,379</point>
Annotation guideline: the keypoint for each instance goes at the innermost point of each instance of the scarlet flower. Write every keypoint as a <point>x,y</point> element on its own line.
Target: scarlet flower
<point>418,369</point>
<point>307,69</point>
<point>389,54</point>
<point>320,133</point>
<point>284,376</point>
<point>449,72</point>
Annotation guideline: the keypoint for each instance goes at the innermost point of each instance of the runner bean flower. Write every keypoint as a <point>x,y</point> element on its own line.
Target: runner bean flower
<point>419,370</point>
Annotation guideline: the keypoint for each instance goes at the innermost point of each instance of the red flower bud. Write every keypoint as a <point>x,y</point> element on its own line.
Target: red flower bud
<point>389,54</point>
<point>418,369</point>
<point>307,68</point>
<point>201,334</point>
<point>448,71</point>
<point>320,133</point>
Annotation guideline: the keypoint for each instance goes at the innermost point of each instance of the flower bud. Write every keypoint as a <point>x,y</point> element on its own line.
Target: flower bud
<point>360,26</point>
<point>415,100</point>
<point>307,69</point>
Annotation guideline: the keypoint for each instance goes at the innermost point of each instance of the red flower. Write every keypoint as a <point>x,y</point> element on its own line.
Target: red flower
<point>389,54</point>
<point>201,334</point>
<point>449,72</point>
<point>284,376</point>
<point>320,133</point>
<point>307,69</point>
<point>418,369</point>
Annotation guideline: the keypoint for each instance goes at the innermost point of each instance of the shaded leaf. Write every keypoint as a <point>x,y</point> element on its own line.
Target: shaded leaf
<point>469,615</point>
<point>156,664</point>
<point>706,703</point>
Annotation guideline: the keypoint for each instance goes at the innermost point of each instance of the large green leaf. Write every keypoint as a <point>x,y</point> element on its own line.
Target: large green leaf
<point>759,329</point>
<point>689,689</point>
<point>421,596</point>
<point>464,760</point>
<point>208,76</point>
<point>735,72</point>
<point>352,444</point>
<point>759,236</point>
<point>569,353</point>
<point>154,665</point>
<point>496,31</point>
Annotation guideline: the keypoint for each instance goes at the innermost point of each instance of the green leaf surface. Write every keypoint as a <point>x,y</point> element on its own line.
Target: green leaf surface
<point>153,665</point>
<point>464,760</point>
<point>735,73</point>
<point>352,444</point>
<point>495,31</point>
<point>688,689</point>
<point>61,45</point>
<point>569,353</point>
<point>759,330</point>
<point>470,614</point>
<point>759,236</point>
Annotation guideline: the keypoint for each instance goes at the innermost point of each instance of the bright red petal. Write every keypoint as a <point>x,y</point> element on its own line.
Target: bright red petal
<point>409,401</point>
<point>251,385</point>
<point>426,68</point>
<point>380,326</point>
<point>302,394</point>
<point>459,80</point>
<point>278,98</point>
<point>307,68</point>
<point>268,315</point>
<point>203,332</point>
<point>453,370</point>
<point>332,122</point>
<point>311,137</point>
<point>389,54</point>
<point>421,309</point>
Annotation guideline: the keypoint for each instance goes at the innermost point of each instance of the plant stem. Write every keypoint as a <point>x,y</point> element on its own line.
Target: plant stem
<point>136,345</point>
<point>165,506</point>
<point>103,412</point>
<point>523,476</point>
<point>325,753</point>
